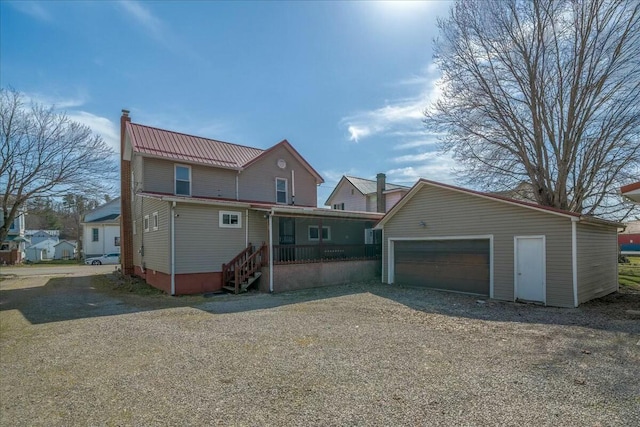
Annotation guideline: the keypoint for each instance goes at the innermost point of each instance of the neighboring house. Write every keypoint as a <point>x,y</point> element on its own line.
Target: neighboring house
<point>101,230</point>
<point>65,249</point>
<point>12,248</point>
<point>41,251</point>
<point>200,214</point>
<point>365,195</point>
<point>37,236</point>
<point>445,237</point>
<point>631,192</point>
<point>523,192</point>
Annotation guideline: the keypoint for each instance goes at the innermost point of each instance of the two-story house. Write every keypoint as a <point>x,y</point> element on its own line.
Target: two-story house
<point>12,248</point>
<point>365,195</point>
<point>197,211</point>
<point>101,230</point>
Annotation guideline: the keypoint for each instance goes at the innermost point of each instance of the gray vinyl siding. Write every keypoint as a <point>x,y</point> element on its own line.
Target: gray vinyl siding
<point>156,243</point>
<point>205,181</point>
<point>352,198</point>
<point>342,232</point>
<point>201,245</point>
<point>597,261</point>
<point>258,228</point>
<point>450,213</point>
<point>258,181</point>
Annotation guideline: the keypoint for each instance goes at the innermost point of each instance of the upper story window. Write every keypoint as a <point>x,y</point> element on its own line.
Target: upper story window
<point>230,219</point>
<point>146,223</point>
<point>95,236</point>
<point>281,190</point>
<point>12,227</point>
<point>155,221</point>
<point>182,180</point>
<point>338,206</point>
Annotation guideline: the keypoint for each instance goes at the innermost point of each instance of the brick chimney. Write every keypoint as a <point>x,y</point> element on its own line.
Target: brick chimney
<point>126,225</point>
<point>381,180</point>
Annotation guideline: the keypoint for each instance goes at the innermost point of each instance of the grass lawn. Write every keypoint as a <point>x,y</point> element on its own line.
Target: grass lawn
<point>629,274</point>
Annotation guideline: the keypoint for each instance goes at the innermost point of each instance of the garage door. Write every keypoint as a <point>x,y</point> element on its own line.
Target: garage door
<point>455,265</point>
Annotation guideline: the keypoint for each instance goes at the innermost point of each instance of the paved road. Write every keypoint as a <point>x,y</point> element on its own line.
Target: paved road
<point>57,270</point>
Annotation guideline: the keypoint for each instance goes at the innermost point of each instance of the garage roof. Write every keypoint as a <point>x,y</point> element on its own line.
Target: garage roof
<point>545,209</point>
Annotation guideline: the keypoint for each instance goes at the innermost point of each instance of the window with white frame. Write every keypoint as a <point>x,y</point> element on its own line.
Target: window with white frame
<point>135,231</point>
<point>338,206</point>
<point>182,180</point>
<point>230,219</point>
<point>314,232</point>
<point>116,241</point>
<point>146,223</point>
<point>155,221</point>
<point>281,190</point>
<point>95,235</point>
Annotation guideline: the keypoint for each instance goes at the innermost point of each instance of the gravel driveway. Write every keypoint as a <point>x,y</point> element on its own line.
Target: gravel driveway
<point>72,353</point>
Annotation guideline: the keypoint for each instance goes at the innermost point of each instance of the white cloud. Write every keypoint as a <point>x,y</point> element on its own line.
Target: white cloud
<point>57,102</point>
<point>400,116</point>
<point>144,17</point>
<point>99,125</point>
<point>434,166</point>
<point>421,157</point>
<point>33,9</point>
<point>357,132</point>
<point>416,144</point>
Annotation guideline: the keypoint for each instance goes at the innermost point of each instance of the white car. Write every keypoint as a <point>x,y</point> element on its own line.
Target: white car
<point>113,258</point>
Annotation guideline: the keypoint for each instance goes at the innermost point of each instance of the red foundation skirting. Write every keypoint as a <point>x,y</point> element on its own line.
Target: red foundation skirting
<point>193,283</point>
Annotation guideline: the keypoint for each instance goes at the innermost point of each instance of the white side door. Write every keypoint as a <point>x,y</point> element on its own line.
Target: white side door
<point>530,268</point>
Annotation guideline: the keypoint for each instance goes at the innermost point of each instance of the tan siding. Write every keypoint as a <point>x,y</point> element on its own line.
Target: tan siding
<point>353,200</point>
<point>201,245</point>
<point>258,228</point>
<point>449,213</point>
<point>156,242</point>
<point>258,181</point>
<point>597,261</point>
<point>205,181</point>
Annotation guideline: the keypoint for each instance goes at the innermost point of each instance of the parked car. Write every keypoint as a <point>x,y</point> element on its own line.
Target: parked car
<point>113,258</point>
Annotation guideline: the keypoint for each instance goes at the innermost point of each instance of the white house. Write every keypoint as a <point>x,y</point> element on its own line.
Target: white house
<point>41,251</point>
<point>12,247</point>
<point>101,230</point>
<point>37,236</point>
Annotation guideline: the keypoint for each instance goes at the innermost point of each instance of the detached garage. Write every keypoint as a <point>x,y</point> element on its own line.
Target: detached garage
<point>449,238</point>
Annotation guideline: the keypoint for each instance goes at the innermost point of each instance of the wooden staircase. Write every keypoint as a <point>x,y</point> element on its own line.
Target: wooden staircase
<point>244,269</point>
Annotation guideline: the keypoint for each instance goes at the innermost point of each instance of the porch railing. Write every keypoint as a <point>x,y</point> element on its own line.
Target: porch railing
<point>300,254</point>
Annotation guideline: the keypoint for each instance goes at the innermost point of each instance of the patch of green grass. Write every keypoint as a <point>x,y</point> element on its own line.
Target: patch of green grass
<point>52,262</point>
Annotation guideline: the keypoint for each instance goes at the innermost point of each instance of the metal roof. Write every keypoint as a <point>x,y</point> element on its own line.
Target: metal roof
<point>188,148</point>
<point>368,186</point>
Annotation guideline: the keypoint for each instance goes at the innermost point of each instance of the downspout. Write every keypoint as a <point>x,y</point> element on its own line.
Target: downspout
<point>173,249</point>
<point>293,187</point>
<point>270,251</point>
<point>238,186</point>
<point>574,259</point>
<point>246,229</point>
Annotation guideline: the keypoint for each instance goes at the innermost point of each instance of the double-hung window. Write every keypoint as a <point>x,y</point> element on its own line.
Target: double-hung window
<point>155,221</point>
<point>314,233</point>
<point>281,190</point>
<point>95,235</point>
<point>182,180</point>
<point>146,223</point>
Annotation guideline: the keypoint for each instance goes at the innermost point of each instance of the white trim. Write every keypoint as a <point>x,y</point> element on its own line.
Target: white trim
<point>246,229</point>
<point>328,227</point>
<point>382,269</point>
<point>270,252</point>
<point>221,223</point>
<point>135,228</point>
<point>156,221</point>
<point>391,246</point>
<point>544,265</point>
<point>175,178</point>
<point>172,212</point>
<point>286,190</point>
<point>574,261</point>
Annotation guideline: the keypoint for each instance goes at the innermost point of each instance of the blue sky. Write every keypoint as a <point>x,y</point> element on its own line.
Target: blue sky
<point>344,82</point>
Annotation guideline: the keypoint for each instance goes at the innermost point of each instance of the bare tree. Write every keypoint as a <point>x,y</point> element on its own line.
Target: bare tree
<point>46,154</point>
<point>545,92</point>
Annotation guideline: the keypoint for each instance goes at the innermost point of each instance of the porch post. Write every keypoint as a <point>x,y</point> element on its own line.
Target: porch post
<point>320,251</point>
<point>270,251</point>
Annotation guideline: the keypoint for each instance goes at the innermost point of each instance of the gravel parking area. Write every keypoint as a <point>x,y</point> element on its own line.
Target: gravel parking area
<point>72,353</point>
